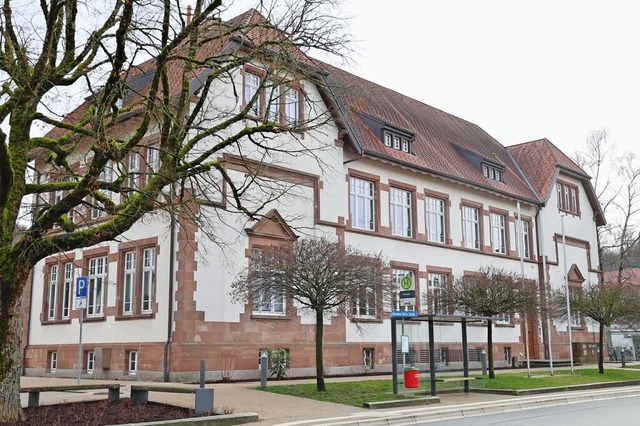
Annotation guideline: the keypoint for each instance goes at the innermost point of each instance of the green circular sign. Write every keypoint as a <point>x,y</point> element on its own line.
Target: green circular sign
<point>406,282</point>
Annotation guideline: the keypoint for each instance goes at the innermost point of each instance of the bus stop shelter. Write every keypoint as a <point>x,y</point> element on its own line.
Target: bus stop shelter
<point>431,319</point>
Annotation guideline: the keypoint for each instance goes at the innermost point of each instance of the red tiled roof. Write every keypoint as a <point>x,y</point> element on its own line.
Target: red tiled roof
<point>539,160</point>
<point>437,134</point>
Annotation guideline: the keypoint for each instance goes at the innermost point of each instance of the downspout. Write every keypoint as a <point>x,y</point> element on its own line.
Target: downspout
<point>172,253</point>
<point>26,346</point>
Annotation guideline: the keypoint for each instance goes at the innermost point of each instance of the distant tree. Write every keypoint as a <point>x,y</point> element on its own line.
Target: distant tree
<point>321,276</point>
<point>616,182</point>
<point>491,292</point>
<point>605,303</point>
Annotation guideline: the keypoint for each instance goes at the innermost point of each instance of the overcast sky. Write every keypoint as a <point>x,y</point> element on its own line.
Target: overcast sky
<point>520,70</point>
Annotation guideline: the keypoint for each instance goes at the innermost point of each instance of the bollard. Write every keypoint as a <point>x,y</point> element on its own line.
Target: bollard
<point>263,369</point>
<point>204,397</point>
<point>624,358</point>
<point>483,360</point>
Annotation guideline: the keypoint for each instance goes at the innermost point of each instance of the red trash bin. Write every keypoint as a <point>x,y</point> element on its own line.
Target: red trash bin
<point>412,378</point>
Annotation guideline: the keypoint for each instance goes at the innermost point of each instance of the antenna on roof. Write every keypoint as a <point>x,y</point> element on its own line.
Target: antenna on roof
<point>188,14</point>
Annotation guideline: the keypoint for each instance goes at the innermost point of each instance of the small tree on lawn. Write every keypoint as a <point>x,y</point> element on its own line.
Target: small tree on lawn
<point>491,292</point>
<point>604,303</point>
<point>322,276</point>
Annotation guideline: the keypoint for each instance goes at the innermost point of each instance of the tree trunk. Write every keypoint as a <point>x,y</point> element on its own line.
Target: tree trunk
<point>10,353</point>
<point>492,373</point>
<point>601,350</point>
<point>319,360</point>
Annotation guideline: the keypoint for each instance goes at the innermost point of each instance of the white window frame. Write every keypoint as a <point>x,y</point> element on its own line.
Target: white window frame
<point>129,283</point>
<point>436,220</point>
<point>97,286</point>
<point>503,318</point>
<point>365,304</point>
<point>148,279</point>
<point>522,231</point>
<point>67,290</point>
<point>153,161</point>
<point>498,233</point>
<point>91,362</point>
<point>471,227</point>
<point>401,212</point>
<point>273,100</point>
<point>252,84</point>
<point>396,142</point>
<point>292,106</point>
<point>132,363</point>
<point>53,292</point>
<point>368,358</point>
<point>436,282</point>
<point>133,169</point>
<point>266,302</point>
<point>53,361</point>
<point>362,203</point>
<point>387,139</point>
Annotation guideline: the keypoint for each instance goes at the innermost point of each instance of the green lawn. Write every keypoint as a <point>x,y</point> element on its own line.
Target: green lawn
<point>356,393</point>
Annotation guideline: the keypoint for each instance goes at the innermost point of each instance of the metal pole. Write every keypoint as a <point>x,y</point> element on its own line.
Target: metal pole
<point>566,289</point>
<point>80,346</point>
<point>547,320</point>
<point>526,318</point>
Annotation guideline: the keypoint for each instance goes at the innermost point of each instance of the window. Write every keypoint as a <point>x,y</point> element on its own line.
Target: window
<point>153,162</point>
<point>53,292</point>
<point>470,227</point>
<point>67,289</point>
<point>397,275</point>
<point>364,305</point>
<point>59,288</point>
<point>362,204</point>
<point>137,283</point>
<point>273,108</point>
<point>291,107</point>
<point>106,175</point>
<point>367,358</point>
<point>53,361</point>
<point>133,170</point>
<point>498,233</point>
<point>401,212</point>
<point>567,197</point>
<point>97,280</point>
<point>265,300</point>
<point>57,197</point>
<point>492,172</point>
<point>129,282</point>
<point>251,87</point>
<point>132,363</point>
<point>435,220</point>
<point>91,361</point>
<point>436,285</point>
<point>503,318</point>
<point>398,140</point>
<point>522,239</point>
<point>506,354</point>
<point>576,317</point>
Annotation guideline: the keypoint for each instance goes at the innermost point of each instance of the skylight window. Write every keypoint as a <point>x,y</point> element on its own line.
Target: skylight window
<point>492,172</point>
<point>397,141</point>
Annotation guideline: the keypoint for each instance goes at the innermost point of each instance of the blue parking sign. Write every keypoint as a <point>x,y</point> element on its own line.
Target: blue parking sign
<point>82,283</point>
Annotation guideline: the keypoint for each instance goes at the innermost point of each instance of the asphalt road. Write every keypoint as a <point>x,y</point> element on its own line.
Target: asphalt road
<point>614,412</point>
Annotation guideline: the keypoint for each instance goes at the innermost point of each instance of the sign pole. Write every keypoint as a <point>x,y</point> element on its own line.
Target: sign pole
<point>80,347</point>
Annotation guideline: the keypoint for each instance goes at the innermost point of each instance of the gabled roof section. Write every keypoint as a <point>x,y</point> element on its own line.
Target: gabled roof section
<point>629,276</point>
<point>442,141</point>
<point>541,161</point>
<point>272,225</point>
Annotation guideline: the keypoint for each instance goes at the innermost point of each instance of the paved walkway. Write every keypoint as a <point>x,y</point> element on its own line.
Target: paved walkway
<point>275,409</point>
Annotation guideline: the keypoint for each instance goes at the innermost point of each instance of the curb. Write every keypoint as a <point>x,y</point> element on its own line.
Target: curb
<point>430,414</point>
<point>222,420</point>
<point>397,403</point>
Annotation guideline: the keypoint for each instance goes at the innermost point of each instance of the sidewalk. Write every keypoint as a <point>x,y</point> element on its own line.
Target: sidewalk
<point>275,409</point>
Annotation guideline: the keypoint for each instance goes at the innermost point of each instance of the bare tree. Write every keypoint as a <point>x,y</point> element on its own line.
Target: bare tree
<point>321,276</point>
<point>604,303</point>
<point>151,132</point>
<point>491,292</point>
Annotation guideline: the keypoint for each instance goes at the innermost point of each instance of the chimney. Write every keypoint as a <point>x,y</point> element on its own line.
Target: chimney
<point>188,14</point>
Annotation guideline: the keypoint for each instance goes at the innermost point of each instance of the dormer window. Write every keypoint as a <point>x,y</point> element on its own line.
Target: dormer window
<point>397,141</point>
<point>492,172</point>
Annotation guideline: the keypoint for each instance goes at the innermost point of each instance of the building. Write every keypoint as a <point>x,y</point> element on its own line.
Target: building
<point>437,194</point>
